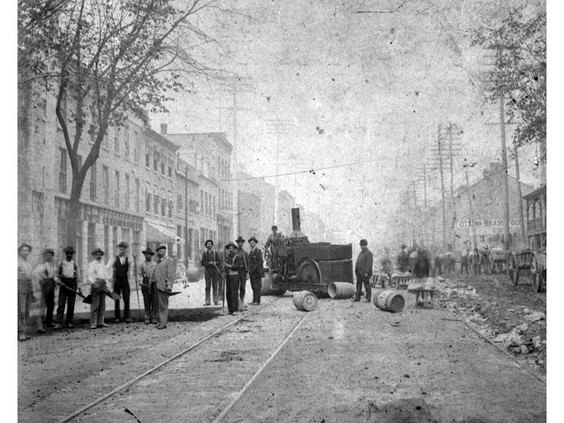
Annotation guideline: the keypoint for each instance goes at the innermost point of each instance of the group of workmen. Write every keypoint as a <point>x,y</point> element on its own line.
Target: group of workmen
<point>37,285</point>
<point>225,274</point>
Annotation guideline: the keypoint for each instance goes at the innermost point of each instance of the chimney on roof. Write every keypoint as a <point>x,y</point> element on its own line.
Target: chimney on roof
<point>164,129</point>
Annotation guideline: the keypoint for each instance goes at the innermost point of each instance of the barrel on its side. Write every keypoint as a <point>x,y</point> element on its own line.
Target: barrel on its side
<point>338,290</point>
<point>305,300</point>
<point>389,301</point>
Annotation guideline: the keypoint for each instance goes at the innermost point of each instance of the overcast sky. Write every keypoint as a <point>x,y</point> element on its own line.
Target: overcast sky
<point>365,83</point>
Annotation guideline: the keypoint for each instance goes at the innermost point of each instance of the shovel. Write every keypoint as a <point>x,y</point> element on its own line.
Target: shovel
<point>113,295</point>
<point>87,300</point>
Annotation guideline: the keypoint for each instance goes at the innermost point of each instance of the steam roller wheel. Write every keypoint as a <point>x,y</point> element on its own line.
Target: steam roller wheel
<point>309,272</point>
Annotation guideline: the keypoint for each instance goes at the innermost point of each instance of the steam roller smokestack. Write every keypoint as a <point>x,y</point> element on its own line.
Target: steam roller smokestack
<point>296,224</point>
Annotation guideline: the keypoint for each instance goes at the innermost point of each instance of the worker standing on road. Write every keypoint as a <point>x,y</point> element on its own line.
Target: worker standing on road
<point>47,277</point>
<point>231,265</point>
<point>25,289</point>
<point>69,280</point>
<point>403,259</point>
<point>120,278</point>
<point>163,276</point>
<point>243,271</point>
<point>363,271</point>
<point>256,270</point>
<point>147,289</point>
<point>211,263</point>
<point>97,277</point>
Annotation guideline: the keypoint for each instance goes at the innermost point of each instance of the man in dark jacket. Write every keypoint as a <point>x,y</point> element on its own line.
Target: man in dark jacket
<point>120,277</point>
<point>363,271</point>
<point>231,264</point>
<point>243,271</point>
<point>256,270</point>
<point>211,262</point>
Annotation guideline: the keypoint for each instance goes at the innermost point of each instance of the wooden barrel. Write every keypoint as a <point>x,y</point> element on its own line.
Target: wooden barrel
<point>338,290</point>
<point>305,300</point>
<point>389,301</point>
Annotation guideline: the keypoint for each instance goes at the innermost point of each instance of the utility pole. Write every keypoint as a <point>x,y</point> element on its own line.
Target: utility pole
<point>520,194</point>
<point>442,186</point>
<point>472,226</point>
<point>186,214</point>
<point>504,177</point>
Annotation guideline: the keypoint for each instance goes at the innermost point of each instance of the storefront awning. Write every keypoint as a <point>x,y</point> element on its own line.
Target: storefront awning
<point>160,234</point>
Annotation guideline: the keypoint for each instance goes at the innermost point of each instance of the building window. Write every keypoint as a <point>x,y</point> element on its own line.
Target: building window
<point>202,236</point>
<point>126,135</point>
<point>179,201</point>
<point>136,147</point>
<point>136,240</point>
<point>163,206</point>
<point>170,169</point>
<point>148,202</point>
<point>93,182</point>
<point>62,170</point>
<point>148,159</point>
<point>156,202</point>
<point>163,166</point>
<point>106,183</point>
<point>127,188</point>
<point>117,189</point>
<point>213,204</point>
<point>91,236</point>
<point>116,241</point>
<point>106,239</point>
<point>137,193</point>
<point>125,235</point>
<point>62,222</point>
<point>156,157</point>
<point>170,208</point>
<point>201,202</point>
<point>116,141</point>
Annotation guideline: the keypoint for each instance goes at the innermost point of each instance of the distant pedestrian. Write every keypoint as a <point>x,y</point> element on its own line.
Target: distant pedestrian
<point>256,270</point>
<point>363,271</point>
<point>25,289</point>
<point>97,277</point>
<point>243,271</point>
<point>120,277</point>
<point>211,263</point>
<point>231,265</point>
<point>464,260</point>
<point>46,274</point>
<point>163,277</point>
<point>146,269</point>
<point>69,280</point>
<point>403,259</point>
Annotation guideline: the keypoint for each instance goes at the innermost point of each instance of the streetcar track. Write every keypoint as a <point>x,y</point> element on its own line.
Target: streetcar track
<point>163,363</point>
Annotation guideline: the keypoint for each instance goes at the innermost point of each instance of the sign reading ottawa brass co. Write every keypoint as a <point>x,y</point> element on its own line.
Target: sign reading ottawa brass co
<point>486,223</point>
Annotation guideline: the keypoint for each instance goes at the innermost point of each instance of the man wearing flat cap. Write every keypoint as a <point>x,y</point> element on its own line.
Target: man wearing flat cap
<point>146,269</point>
<point>243,270</point>
<point>120,267</point>
<point>163,277</point>
<point>256,270</point>
<point>363,271</point>
<point>211,263</point>
<point>69,280</point>
<point>46,276</point>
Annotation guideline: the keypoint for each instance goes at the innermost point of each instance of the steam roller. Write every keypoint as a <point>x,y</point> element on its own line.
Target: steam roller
<point>299,265</point>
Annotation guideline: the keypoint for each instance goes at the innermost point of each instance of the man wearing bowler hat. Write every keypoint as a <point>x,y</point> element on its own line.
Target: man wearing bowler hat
<point>256,270</point>
<point>97,277</point>
<point>211,263</point>
<point>120,276</point>
<point>47,277</point>
<point>146,269</point>
<point>163,277</point>
<point>243,270</point>
<point>231,265</point>
<point>363,271</point>
<point>69,279</point>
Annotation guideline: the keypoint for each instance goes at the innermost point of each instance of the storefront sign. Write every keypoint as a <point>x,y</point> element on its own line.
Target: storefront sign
<point>487,223</point>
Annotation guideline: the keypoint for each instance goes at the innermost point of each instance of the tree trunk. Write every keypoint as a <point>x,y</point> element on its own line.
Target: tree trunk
<point>74,218</point>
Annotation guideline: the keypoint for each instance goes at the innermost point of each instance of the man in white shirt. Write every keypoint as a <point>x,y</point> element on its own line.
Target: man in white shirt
<point>98,280</point>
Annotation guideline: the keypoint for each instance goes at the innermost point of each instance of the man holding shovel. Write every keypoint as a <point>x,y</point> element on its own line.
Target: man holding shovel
<point>98,279</point>
<point>146,269</point>
<point>69,278</point>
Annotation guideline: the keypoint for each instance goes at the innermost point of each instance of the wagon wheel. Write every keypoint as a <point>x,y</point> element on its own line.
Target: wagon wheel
<point>512,269</point>
<point>309,272</point>
<point>536,274</point>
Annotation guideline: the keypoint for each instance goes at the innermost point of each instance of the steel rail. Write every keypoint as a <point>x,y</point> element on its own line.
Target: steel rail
<point>259,371</point>
<point>160,365</point>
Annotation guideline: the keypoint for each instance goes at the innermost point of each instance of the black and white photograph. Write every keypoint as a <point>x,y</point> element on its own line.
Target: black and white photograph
<point>282,211</point>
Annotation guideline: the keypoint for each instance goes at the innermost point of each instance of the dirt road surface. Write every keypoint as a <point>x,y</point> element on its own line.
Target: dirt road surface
<point>343,362</point>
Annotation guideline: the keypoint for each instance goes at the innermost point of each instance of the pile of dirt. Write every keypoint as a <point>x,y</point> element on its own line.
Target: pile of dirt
<point>509,315</point>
